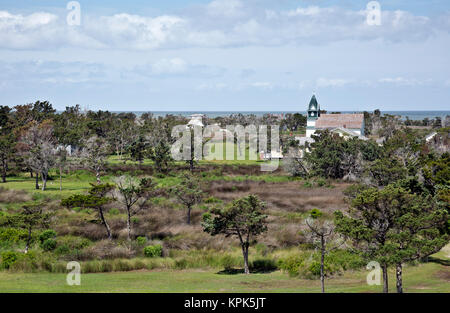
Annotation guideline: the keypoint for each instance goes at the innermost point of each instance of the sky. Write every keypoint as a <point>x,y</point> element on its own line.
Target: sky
<point>226,55</point>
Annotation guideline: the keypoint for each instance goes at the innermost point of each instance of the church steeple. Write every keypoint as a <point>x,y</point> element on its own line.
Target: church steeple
<point>313,108</point>
<point>313,115</point>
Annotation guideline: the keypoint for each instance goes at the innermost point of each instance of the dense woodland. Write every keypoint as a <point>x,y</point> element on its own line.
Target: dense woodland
<point>102,188</point>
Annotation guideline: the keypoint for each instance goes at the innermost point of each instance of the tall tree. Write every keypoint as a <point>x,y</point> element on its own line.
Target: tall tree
<point>188,193</point>
<point>7,140</point>
<point>31,217</point>
<point>94,155</point>
<point>133,194</point>
<point>322,236</point>
<point>160,155</point>
<point>244,218</point>
<point>96,199</point>
<point>369,221</point>
<point>37,146</point>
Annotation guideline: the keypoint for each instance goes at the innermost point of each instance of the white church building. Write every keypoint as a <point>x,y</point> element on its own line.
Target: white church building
<point>351,125</point>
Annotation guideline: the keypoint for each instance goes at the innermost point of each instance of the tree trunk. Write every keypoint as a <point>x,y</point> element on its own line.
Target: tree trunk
<point>399,272</point>
<point>27,246</point>
<point>129,224</point>
<point>102,217</point>
<point>37,181</point>
<point>97,176</point>
<point>188,218</point>
<point>385,279</point>
<point>60,178</point>
<point>44,180</point>
<point>322,261</point>
<point>4,168</point>
<point>245,254</point>
<point>191,165</point>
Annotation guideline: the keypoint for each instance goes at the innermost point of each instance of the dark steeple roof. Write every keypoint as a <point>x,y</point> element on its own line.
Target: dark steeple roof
<point>313,105</point>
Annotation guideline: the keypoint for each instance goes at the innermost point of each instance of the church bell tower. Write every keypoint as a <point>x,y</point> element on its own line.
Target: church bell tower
<point>313,115</point>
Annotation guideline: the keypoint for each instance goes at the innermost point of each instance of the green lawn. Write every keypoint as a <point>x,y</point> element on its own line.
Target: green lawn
<point>430,277</point>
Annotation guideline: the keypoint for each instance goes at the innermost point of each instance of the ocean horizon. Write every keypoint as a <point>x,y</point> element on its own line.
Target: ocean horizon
<point>412,115</point>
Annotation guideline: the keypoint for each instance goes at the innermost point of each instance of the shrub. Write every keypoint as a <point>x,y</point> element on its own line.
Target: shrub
<point>321,182</point>
<point>114,211</point>
<point>12,235</point>
<point>293,264</point>
<point>153,251</point>
<point>141,241</point>
<point>212,200</point>
<point>314,268</point>
<point>307,184</point>
<point>47,234</point>
<point>48,245</point>
<point>71,246</point>
<point>315,213</point>
<point>263,265</point>
<point>8,259</point>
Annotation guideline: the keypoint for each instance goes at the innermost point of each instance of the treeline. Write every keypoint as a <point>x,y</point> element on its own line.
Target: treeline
<point>35,138</point>
<point>399,207</point>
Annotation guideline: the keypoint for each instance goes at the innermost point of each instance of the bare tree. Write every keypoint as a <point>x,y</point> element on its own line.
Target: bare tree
<point>323,236</point>
<point>94,155</point>
<point>37,147</point>
<point>294,163</point>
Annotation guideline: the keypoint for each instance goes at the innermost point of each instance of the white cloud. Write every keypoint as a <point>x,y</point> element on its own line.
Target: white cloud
<point>221,23</point>
<point>311,10</point>
<point>170,66</point>
<point>262,85</point>
<point>326,82</point>
<point>227,8</point>
<point>401,81</point>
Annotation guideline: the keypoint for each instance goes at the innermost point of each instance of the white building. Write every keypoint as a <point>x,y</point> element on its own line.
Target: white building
<point>346,123</point>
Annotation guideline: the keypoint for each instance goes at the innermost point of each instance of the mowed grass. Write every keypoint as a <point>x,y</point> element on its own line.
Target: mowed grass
<point>76,182</point>
<point>429,277</point>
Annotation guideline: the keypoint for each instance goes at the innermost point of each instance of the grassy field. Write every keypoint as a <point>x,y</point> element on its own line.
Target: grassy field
<point>288,200</point>
<point>430,277</point>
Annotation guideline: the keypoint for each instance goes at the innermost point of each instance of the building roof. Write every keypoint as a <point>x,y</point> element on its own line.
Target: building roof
<point>196,120</point>
<point>353,121</point>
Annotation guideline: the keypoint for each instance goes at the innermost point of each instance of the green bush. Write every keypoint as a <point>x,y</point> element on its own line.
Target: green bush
<point>47,234</point>
<point>13,235</point>
<point>8,259</point>
<point>71,245</point>
<point>307,184</point>
<point>315,213</point>
<point>346,260</point>
<point>293,264</point>
<point>212,200</point>
<point>153,251</point>
<point>321,182</point>
<point>141,241</point>
<point>314,268</point>
<point>263,265</point>
<point>114,211</point>
<point>48,245</point>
